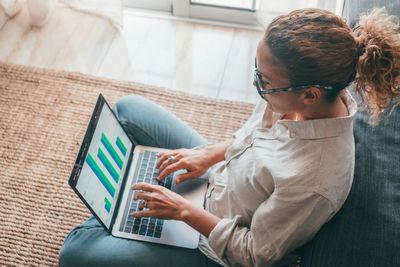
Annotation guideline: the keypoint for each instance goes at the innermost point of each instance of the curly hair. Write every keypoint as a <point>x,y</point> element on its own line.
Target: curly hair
<point>378,68</point>
<point>315,46</point>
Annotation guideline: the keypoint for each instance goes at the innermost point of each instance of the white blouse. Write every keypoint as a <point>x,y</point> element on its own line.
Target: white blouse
<point>281,181</point>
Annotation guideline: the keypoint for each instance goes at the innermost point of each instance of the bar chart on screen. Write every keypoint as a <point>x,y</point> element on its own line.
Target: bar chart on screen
<point>107,166</point>
<point>103,171</point>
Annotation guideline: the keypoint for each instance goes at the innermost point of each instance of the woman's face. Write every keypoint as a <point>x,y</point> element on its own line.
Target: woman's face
<point>273,73</point>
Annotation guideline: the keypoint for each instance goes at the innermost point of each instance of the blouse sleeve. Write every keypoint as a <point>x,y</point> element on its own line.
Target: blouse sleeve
<point>283,222</point>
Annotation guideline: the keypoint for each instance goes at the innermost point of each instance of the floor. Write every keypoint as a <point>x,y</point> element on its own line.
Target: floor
<point>208,60</point>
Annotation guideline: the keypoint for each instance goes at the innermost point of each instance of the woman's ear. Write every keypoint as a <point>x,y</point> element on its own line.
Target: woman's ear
<point>311,95</point>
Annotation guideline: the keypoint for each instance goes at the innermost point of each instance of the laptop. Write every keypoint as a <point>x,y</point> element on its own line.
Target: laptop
<point>108,164</point>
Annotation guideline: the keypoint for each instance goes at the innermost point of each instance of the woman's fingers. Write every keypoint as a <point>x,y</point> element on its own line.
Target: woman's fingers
<point>186,176</point>
<point>163,166</point>
<point>145,187</point>
<point>170,166</point>
<point>163,157</point>
<point>144,213</point>
<point>160,202</point>
<point>151,213</point>
<point>142,195</point>
<point>193,161</point>
<point>170,169</point>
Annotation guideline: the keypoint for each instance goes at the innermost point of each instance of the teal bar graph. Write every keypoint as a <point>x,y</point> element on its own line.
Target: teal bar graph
<point>108,165</point>
<point>100,175</point>
<point>121,146</point>
<point>111,150</point>
<point>107,205</point>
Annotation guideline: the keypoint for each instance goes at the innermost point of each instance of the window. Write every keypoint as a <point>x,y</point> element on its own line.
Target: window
<point>247,12</point>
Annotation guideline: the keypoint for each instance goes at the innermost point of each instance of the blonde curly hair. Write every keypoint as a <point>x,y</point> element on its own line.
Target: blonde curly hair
<point>315,46</point>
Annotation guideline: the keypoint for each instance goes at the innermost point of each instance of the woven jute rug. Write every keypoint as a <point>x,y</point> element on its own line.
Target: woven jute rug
<point>43,116</point>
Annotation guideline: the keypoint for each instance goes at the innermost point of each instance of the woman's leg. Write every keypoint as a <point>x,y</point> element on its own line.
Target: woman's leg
<point>89,244</point>
<point>150,124</point>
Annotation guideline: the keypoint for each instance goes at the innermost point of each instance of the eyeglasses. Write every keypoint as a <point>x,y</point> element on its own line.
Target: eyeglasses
<point>260,84</point>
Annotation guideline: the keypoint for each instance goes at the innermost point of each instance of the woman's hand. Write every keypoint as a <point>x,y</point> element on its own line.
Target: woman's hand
<point>164,204</point>
<point>195,161</point>
<point>160,202</point>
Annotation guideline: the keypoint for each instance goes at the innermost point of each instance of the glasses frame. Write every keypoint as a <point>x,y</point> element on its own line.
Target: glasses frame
<point>260,85</point>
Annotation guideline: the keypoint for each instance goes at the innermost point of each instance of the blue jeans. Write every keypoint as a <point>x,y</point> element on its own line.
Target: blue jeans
<point>89,244</point>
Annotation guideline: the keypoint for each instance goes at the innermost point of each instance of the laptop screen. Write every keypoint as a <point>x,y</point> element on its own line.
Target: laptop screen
<point>103,161</point>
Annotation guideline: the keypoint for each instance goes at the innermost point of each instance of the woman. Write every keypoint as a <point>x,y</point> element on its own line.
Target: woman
<point>286,172</point>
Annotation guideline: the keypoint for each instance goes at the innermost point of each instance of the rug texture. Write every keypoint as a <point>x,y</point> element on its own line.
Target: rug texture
<point>44,114</point>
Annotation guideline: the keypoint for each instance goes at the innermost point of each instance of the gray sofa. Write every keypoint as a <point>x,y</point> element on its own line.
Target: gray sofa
<point>366,231</point>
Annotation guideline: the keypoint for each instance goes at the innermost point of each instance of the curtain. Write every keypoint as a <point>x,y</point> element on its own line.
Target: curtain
<point>9,8</point>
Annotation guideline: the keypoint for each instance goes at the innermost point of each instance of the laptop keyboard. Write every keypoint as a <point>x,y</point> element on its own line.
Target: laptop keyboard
<point>147,173</point>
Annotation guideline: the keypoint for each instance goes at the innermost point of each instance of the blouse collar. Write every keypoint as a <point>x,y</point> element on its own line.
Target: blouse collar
<point>317,128</point>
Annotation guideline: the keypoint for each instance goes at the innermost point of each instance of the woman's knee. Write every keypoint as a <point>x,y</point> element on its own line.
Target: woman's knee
<point>148,123</point>
<point>75,247</point>
<point>131,107</point>
<point>85,247</point>
<point>95,247</point>
<point>71,250</point>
